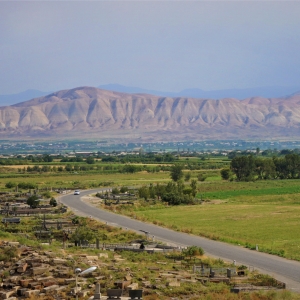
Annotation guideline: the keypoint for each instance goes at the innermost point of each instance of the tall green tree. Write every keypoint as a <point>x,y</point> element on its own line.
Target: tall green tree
<point>144,192</point>
<point>265,168</point>
<point>193,186</point>
<point>243,167</point>
<point>292,162</point>
<point>151,191</point>
<point>187,176</point>
<point>176,172</point>
<point>225,173</point>
<point>90,160</point>
<point>33,201</point>
<point>159,190</point>
<point>130,169</point>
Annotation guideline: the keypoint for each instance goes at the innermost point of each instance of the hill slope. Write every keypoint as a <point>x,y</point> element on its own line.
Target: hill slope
<point>94,113</point>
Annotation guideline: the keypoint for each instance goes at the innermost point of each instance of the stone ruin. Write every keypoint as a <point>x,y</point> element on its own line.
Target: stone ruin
<point>47,274</point>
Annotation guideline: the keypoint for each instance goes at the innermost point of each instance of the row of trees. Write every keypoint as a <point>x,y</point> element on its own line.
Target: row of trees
<point>247,168</point>
<point>174,193</point>
<point>145,158</point>
<point>34,201</point>
<point>54,169</point>
<point>89,160</point>
<point>21,185</point>
<point>106,168</point>
<point>24,161</point>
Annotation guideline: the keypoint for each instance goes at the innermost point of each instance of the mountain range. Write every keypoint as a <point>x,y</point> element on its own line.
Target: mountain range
<point>93,113</point>
<point>266,92</point>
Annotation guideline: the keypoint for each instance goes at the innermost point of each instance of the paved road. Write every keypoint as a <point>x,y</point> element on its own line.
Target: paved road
<point>284,270</point>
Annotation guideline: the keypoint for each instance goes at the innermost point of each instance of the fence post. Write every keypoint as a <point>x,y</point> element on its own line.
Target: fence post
<point>229,273</point>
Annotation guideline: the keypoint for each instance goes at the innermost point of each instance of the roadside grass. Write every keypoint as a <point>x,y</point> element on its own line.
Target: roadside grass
<point>250,213</point>
<point>275,228</point>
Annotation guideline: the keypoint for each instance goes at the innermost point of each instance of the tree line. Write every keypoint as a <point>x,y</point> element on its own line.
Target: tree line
<point>248,168</point>
<point>174,193</point>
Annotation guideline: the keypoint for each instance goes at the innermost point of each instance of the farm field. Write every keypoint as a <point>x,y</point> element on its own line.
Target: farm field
<point>273,227</point>
<point>84,180</point>
<point>263,213</point>
<point>248,191</point>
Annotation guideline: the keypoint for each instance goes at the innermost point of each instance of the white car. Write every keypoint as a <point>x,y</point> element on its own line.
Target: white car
<point>76,192</point>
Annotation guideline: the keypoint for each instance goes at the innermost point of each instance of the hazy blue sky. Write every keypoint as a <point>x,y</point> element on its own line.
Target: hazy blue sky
<point>167,46</point>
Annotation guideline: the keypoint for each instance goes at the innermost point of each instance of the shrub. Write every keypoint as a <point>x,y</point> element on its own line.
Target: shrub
<point>33,201</point>
<point>47,194</point>
<point>53,202</point>
<point>10,185</point>
<point>225,174</point>
<point>201,177</point>
<point>123,189</point>
<point>193,251</point>
<point>8,253</point>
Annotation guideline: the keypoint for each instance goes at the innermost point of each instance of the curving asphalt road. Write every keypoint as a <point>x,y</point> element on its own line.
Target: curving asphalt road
<point>287,271</point>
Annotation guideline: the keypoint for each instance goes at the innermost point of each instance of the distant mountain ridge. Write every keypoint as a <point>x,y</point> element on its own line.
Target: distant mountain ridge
<point>88,112</point>
<point>267,92</point>
<point>20,97</point>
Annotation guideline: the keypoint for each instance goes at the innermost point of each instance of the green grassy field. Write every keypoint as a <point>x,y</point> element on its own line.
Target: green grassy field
<point>84,180</point>
<point>238,190</point>
<point>275,228</point>
<point>263,213</point>
<point>247,213</point>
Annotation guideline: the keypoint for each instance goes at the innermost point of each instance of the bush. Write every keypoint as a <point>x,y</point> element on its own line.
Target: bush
<point>171,198</point>
<point>201,177</point>
<point>90,160</point>
<point>193,251</point>
<point>187,176</point>
<point>225,174</point>
<point>8,253</point>
<point>26,185</point>
<point>115,191</point>
<point>47,195</point>
<point>10,185</point>
<point>33,201</point>
<point>53,202</point>
<point>123,189</point>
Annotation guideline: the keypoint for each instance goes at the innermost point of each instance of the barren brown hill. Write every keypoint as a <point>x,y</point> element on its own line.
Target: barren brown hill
<point>88,112</point>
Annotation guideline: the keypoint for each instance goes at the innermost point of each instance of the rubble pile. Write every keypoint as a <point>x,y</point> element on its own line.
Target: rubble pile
<point>45,274</point>
<point>38,273</point>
